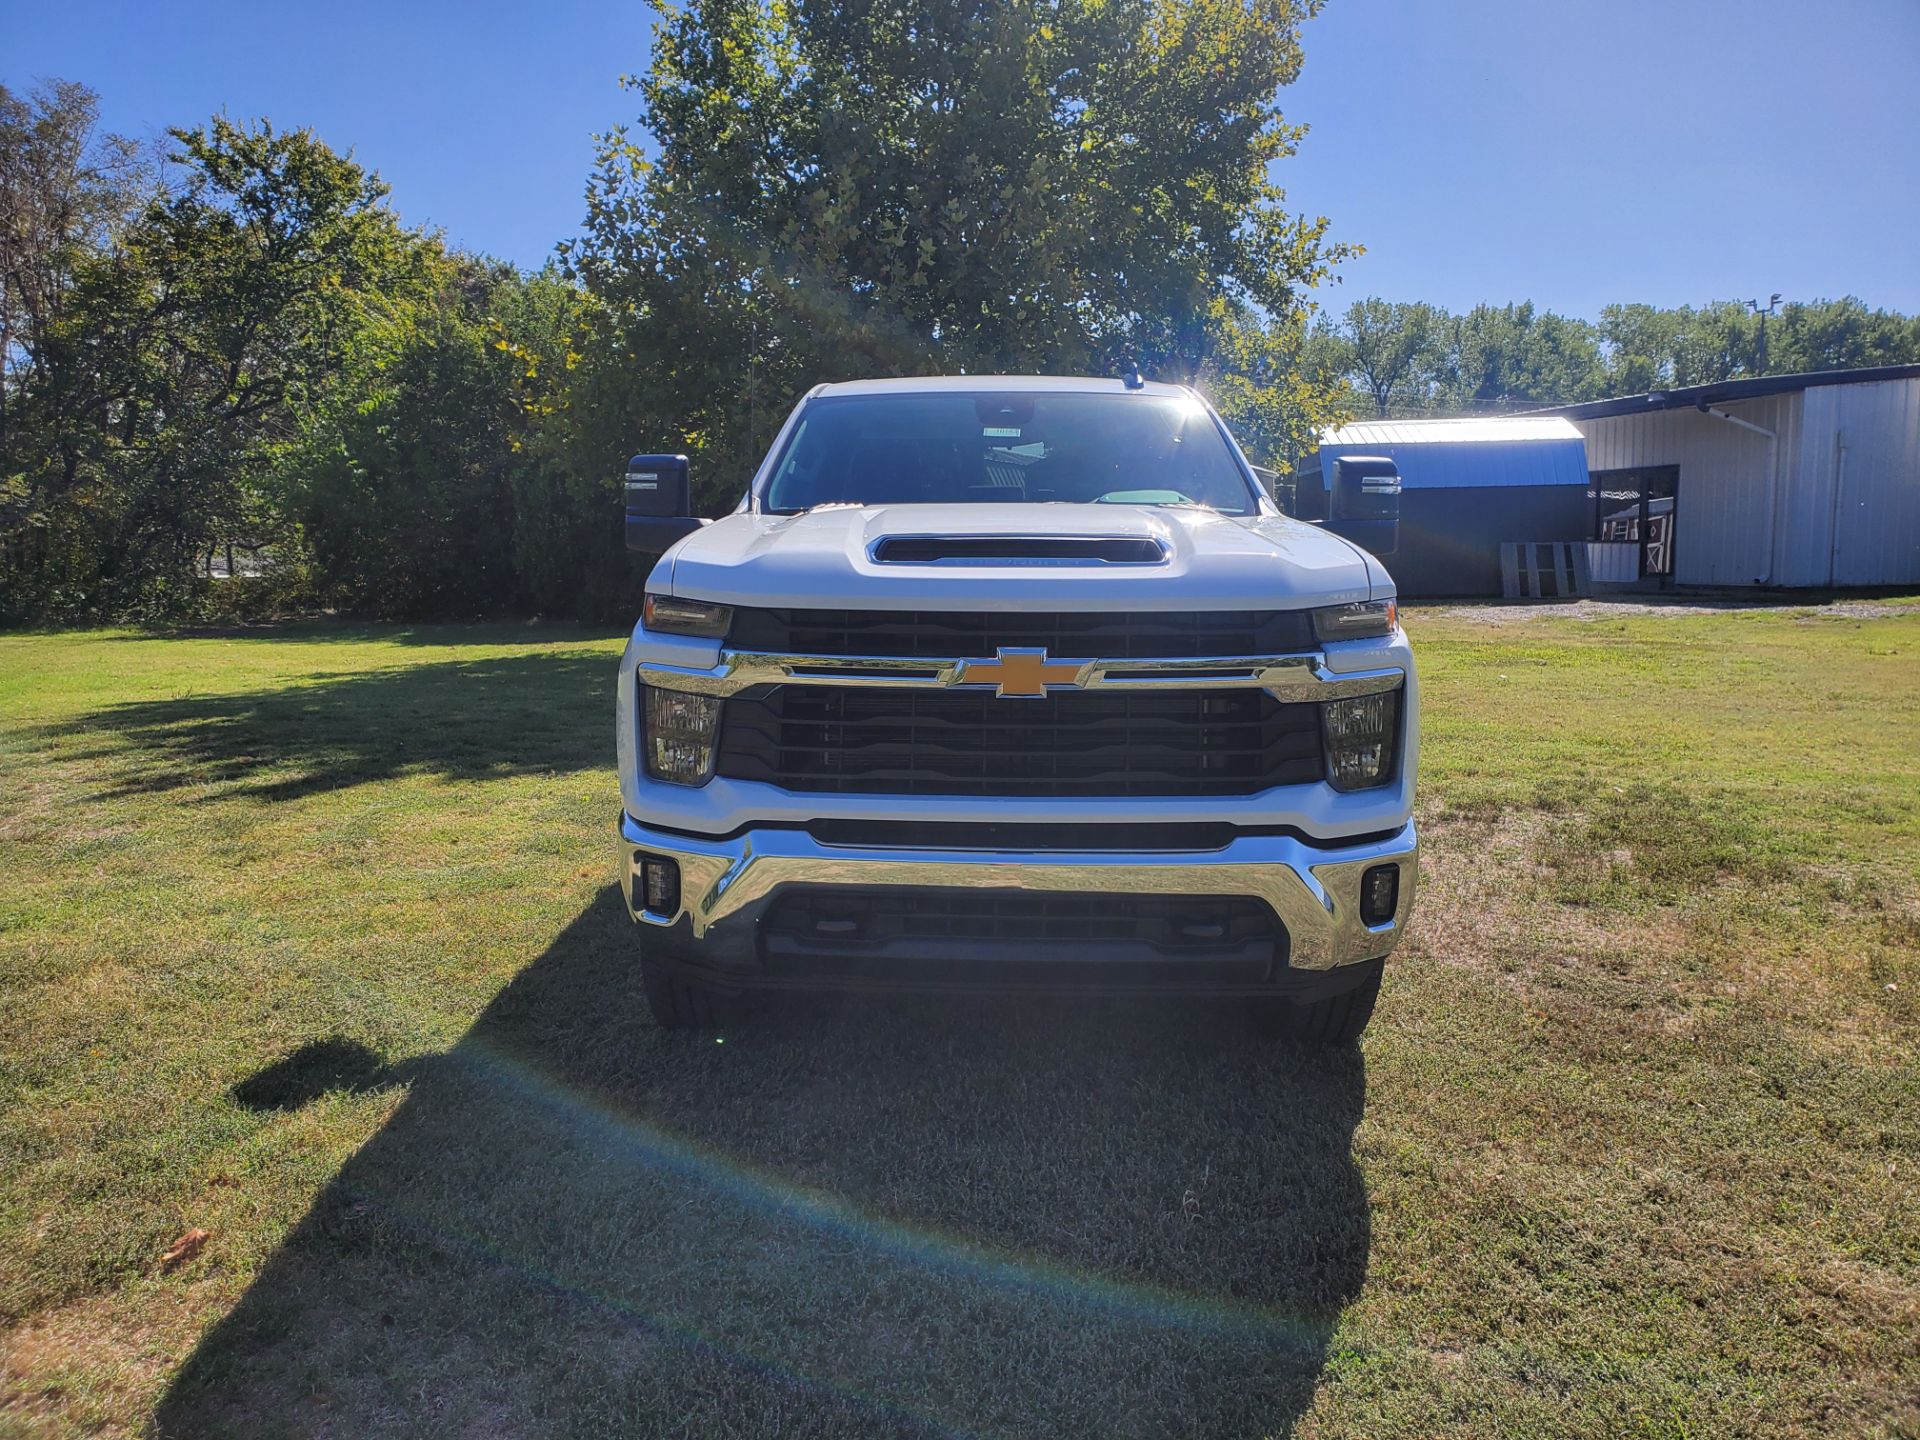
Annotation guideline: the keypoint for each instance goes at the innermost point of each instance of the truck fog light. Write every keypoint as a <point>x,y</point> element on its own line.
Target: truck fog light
<point>680,731</point>
<point>1379,894</point>
<point>1359,739</point>
<point>659,886</point>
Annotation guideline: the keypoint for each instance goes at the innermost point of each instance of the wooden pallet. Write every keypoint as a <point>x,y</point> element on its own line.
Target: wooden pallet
<point>1544,569</point>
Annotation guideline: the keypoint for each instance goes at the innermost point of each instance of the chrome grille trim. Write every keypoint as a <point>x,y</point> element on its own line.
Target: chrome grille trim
<point>1285,677</point>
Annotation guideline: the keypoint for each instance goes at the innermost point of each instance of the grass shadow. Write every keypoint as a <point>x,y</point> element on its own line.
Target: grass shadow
<point>855,1218</point>
<point>462,719</point>
<point>323,1067</point>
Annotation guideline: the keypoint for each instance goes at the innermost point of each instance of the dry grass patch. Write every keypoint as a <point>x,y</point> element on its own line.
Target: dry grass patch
<point>1541,900</point>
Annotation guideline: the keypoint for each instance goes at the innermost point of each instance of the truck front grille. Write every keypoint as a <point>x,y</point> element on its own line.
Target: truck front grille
<point>902,741</point>
<point>937,634</point>
<point>1006,937</point>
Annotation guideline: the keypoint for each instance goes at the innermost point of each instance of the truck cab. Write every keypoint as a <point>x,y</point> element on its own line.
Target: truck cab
<point>1014,683</point>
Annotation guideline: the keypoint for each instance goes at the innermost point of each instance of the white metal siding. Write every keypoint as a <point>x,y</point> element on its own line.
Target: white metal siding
<point>1853,518</point>
<point>1726,486</point>
<point>1613,563</point>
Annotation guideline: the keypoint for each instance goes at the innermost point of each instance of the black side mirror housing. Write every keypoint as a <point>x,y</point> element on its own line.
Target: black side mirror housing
<point>1365,504</point>
<point>659,500</point>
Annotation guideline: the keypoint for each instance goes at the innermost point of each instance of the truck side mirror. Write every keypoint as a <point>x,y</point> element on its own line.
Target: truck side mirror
<point>1365,503</point>
<point>659,503</point>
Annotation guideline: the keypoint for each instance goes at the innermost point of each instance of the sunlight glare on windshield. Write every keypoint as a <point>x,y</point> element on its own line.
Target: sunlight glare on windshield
<point>1036,447</point>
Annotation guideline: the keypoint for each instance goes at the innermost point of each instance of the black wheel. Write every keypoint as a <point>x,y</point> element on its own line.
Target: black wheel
<point>1335,1021</point>
<point>681,1004</point>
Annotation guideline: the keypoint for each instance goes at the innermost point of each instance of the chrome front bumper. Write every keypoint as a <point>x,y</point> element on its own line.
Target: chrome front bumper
<point>726,885</point>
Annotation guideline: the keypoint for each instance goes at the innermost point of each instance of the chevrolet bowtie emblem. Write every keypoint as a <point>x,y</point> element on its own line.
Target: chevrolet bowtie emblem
<point>1022,673</point>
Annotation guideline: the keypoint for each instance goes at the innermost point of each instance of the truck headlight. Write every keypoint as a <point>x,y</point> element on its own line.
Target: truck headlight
<point>1359,736</point>
<point>670,615</point>
<point>1362,620</point>
<point>679,736</point>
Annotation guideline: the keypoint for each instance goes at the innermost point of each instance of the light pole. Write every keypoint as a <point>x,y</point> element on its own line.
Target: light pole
<point>1771,306</point>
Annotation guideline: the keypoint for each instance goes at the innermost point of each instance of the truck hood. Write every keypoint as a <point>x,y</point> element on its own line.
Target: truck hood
<point>833,559</point>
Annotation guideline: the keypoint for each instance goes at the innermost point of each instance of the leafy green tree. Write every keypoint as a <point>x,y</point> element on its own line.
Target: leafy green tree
<point>66,192</point>
<point>568,531</point>
<point>67,196</point>
<point>1276,383</point>
<point>189,351</point>
<point>1387,347</point>
<point>402,482</point>
<point>1514,356</point>
<point>1719,341</point>
<point>1840,335</point>
<point>1640,343</point>
<point>1649,348</point>
<point>885,188</point>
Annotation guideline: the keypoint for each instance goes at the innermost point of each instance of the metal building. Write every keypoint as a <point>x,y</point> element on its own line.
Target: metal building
<point>1469,485</point>
<point>1786,480</point>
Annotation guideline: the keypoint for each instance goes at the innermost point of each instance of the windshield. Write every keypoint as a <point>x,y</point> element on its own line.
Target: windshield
<point>922,449</point>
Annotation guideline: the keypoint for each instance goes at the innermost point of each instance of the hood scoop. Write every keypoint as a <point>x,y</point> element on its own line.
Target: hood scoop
<point>1019,550</point>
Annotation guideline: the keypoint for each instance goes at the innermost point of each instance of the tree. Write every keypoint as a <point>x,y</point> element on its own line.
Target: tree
<point>1513,356</point>
<point>1841,335</point>
<point>402,479</point>
<point>1719,341</point>
<point>67,196</point>
<point>1385,346</point>
<point>66,191</point>
<point>185,354</point>
<point>1640,342</point>
<point>1650,348</point>
<point>882,188</point>
<point>1275,383</point>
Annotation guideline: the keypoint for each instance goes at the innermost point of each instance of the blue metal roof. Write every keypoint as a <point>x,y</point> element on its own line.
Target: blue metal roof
<point>1458,454</point>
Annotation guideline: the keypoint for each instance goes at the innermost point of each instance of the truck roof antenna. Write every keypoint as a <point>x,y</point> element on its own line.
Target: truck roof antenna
<point>1130,375</point>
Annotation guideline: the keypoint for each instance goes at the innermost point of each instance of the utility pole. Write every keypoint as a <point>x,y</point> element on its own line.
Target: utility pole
<point>1771,306</point>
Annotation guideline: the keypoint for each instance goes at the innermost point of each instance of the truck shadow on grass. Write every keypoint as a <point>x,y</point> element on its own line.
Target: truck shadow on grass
<point>465,719</point>
<point>841,1218</point>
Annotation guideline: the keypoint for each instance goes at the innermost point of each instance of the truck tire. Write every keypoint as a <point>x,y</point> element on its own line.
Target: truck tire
<point>1336,1021</point>
<point>681,1004</point>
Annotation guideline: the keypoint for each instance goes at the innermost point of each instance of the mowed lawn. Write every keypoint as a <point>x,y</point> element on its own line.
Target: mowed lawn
<point>308,941</point>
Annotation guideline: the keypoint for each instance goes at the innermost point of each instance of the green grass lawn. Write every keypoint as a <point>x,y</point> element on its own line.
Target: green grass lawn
<point>308,940</point>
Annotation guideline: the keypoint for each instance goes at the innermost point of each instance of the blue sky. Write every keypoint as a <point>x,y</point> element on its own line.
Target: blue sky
<point>1569,151</point>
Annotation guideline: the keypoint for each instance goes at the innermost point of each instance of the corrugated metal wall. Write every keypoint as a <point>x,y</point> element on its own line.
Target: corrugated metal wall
<point>1613,563</point>
<point>1853,517</point>
<point>1722,533</point>
<point>1862,530</point>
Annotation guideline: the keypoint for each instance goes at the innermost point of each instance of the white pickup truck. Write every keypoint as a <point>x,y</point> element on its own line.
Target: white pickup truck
<point>1016,683</point>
